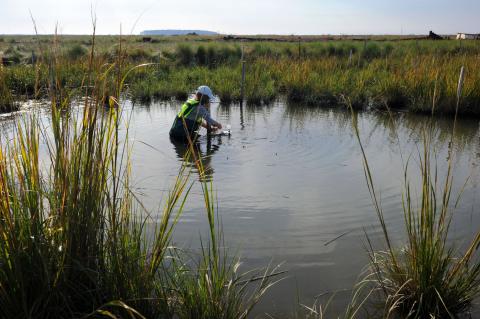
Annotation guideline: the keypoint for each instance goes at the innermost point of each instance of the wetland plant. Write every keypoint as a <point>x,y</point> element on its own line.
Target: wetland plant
<point>401,75</point>
<point>76,241</point>
<point>429,276</point>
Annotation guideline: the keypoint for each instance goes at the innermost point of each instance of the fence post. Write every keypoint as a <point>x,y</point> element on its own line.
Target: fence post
<point>299,47</point>
<point>242,92</point>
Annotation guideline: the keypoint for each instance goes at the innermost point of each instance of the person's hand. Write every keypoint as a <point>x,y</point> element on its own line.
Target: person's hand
<point>219,126</point>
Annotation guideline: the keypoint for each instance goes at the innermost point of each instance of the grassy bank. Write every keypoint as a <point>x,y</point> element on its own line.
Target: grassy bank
<point>411,75</point>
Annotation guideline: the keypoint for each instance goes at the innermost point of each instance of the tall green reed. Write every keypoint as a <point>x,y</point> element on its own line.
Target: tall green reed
<point>428,276</point>
<point>209,283</point>
<point>76,240</point>
<point>7,103</point>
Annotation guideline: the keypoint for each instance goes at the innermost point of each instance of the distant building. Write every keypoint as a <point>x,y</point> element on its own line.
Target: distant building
<point>468,36</point>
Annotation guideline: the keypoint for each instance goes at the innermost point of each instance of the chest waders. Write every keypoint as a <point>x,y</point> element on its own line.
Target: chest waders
<point>186,124</point>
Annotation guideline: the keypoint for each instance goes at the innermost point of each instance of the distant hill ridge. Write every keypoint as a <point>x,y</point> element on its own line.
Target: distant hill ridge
<point>177,32</point>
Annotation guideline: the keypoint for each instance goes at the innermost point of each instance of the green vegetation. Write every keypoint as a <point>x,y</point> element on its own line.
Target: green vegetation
<point>76,52</point>
<point>7,103</point>
<point>409,74</point>
<point>75,240</point>
<point>429,277</point>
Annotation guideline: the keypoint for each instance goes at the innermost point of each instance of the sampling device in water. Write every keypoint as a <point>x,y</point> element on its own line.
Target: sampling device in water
<point>222,133</point>
<point>227,132</point>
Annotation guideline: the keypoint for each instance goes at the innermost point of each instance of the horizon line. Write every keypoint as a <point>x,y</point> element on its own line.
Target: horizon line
<point>233,34</point>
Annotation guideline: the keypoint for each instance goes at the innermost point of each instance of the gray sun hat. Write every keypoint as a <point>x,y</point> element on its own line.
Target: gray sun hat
<point>205,90</point>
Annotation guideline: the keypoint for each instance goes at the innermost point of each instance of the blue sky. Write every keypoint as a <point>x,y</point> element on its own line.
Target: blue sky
<point>243,16</point>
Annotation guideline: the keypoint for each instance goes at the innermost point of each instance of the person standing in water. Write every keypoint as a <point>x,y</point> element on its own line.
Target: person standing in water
<point>193,114</point>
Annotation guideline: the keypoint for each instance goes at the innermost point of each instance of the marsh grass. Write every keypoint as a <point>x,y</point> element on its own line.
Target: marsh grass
<point>208,283</point>
<point>72,238</point>
<point>355,308</point>
<point>7,103</point>
<point>374,74</point>
<point>75,241</point>
<point>428,276</point>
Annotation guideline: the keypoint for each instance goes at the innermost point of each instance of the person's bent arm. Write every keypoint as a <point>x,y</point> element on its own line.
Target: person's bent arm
<point>209,122</point>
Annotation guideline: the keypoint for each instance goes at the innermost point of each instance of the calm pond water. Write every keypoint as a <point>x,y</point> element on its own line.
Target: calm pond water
<point>289,181</point>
